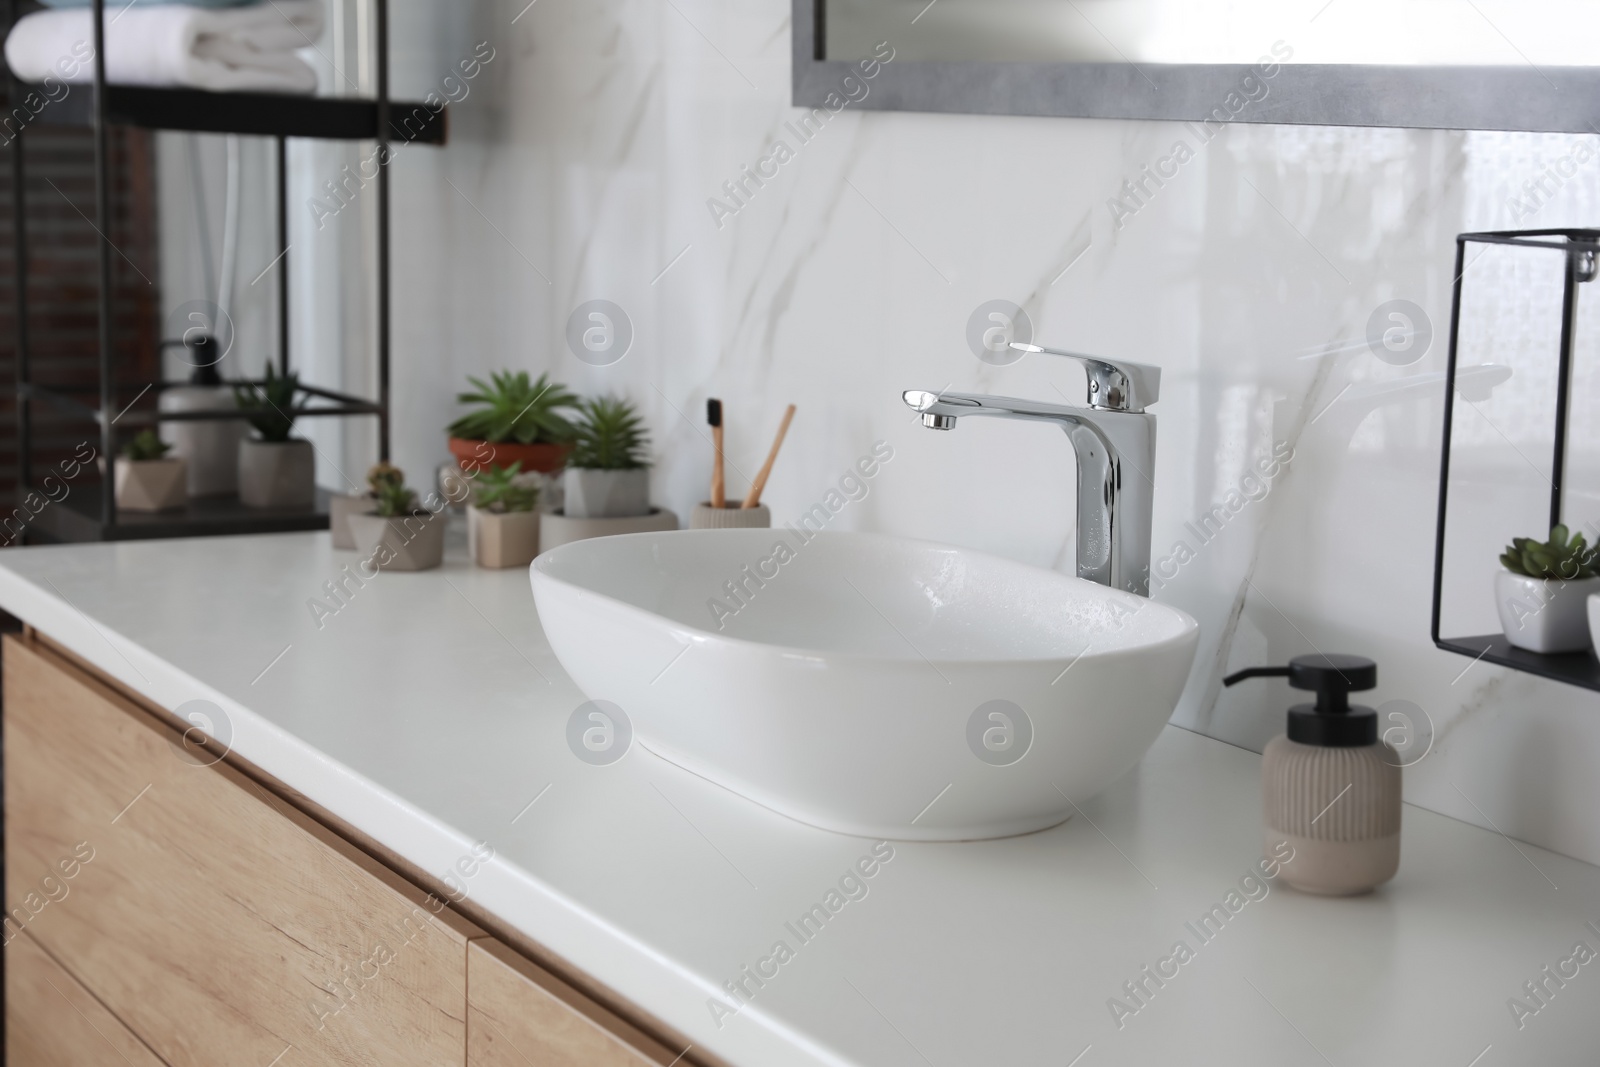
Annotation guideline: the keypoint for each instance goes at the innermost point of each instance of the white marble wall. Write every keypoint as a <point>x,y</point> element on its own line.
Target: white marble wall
<point>580,168</point>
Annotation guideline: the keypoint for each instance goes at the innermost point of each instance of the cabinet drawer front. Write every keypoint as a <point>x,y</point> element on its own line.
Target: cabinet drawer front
<point>221,925</point>
<point>517,1014</point>
<point>52,1021</point>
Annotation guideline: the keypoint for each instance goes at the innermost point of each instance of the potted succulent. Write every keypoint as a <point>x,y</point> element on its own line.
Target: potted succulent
<point>608,473</point>
<point>515,421</point>
<point>502,526</point>
<point>1543,590</point>
<point>146,480</point>
<point>399,535</point>
<point>344,505</point>
<point>275,470</point>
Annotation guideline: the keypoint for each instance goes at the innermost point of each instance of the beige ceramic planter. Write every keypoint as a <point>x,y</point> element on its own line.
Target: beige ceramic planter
<point>340,508</point>
<point>556,529</point>
<point>151,484</point>
<point>412,542</point>
<point>502,539</point>
<point>277,474</point>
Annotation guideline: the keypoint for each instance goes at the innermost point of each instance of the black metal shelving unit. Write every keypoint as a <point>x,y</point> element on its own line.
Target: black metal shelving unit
<point>84,518</point>
<point>1582,250</point>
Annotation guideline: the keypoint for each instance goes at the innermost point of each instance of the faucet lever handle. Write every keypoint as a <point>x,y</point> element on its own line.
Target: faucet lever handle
<point>1114,384</point>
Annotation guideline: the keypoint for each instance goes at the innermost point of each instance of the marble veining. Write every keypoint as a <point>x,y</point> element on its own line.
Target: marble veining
<point>593,143</point>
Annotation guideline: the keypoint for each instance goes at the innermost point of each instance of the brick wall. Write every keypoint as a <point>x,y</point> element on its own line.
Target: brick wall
<point>63,292</point>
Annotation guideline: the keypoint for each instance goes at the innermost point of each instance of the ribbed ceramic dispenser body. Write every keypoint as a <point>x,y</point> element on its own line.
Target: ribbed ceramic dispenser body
<point>1338,808</point>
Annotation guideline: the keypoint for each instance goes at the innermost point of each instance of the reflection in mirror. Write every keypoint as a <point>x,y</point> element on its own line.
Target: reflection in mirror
<point>1536,33</point>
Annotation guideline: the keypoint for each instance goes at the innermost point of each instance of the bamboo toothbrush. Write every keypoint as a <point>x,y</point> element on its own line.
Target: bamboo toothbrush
<point>719,497</point>
<point>753,497</point>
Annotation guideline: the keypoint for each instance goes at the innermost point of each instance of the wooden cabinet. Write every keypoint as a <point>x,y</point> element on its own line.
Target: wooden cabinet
<point>52,1021</point>
<point>218,923</point>
<point>165,911</point>
<point>520,1014</point>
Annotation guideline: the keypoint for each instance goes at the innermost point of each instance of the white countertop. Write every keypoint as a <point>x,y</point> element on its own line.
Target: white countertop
<point>429,712</point>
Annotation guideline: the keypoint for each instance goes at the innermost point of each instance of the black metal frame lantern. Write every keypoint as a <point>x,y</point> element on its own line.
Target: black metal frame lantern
<point>1582,251</point>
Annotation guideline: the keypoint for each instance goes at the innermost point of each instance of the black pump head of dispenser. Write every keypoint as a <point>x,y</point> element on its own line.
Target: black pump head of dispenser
<point>1333,722</point>
<point>202,354</point>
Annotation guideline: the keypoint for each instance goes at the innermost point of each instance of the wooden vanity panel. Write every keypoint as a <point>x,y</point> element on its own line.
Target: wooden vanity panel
<point>52,1021</point>
<point>518,1015</point>
<point>214,919</point>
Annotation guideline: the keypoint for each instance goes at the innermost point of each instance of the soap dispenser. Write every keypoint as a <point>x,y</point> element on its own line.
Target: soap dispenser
<point>1330,789</point>
<point>208,447</point>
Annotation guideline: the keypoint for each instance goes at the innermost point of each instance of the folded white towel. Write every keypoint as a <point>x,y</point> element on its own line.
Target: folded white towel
<point>240,49</point>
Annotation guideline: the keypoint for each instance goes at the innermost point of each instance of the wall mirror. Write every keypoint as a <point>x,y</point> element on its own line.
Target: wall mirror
<point>1434,64</point>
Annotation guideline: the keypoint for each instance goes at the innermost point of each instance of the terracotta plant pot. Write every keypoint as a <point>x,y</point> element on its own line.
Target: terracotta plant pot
<point>502,539</point>
<point>606,494</point>
<point>472,455</point>
<point>151,484</point>
<point>340,508</point>
<point>277,474</point>
<point>412,542</point>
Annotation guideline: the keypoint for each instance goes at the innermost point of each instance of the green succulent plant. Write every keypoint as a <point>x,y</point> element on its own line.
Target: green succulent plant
<point>1562,558</point>
<point>511,408</point>
<point>395,500</point>
<point>499,492</point>
<point>382,474</point>
<point>610,436</point>
<point>271,404</point>
<point>147,445</point>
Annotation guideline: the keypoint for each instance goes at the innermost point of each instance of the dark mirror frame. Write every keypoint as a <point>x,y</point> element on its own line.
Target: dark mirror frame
<point>1536,99</point>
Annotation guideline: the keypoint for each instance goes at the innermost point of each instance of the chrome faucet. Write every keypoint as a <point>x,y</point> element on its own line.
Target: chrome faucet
<point>1115,439</point>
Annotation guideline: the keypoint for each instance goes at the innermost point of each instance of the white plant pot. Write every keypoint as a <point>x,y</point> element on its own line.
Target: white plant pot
<point>556,529</point>
<point>603,494</point>
<point>412,542</point>
<point>453,485</point>
<point>151,484</point>
<point>277,474</point>
<point>211,448</point>
<point>502,539</point>
<point>1544,615</point>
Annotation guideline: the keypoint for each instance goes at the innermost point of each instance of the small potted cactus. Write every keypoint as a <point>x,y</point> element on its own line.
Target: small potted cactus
<point>275,469</point>
<point>399,534</point>
<point>344,505</point>
<point>608,472</point>
<point>502,524</point>
<point>1543,590</point>
<point>146,480</point>
<point>514,420</point>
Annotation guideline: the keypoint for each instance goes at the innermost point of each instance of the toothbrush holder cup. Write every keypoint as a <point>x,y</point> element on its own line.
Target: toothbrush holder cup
<point>732,517</point>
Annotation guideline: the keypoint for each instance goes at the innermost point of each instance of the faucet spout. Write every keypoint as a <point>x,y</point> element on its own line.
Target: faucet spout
<point>1116,456</point>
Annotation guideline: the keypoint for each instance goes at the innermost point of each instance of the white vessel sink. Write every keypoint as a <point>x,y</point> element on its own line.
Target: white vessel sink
<point>862,675</point>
